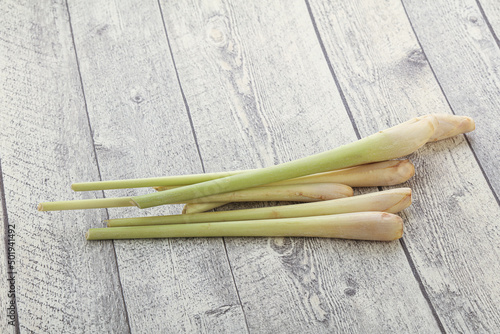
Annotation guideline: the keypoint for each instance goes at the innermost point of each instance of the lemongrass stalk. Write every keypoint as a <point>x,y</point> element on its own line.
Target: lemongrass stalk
<point>388,144</point>
<point>447,126</point>
<point>176,180</point>
<point>392,201</point>
<point>200,207</point>
<point>377,226</point>
<point>375,174</point>
<point>378,174</point>
<point>296,193</point>
<point>97,203</point>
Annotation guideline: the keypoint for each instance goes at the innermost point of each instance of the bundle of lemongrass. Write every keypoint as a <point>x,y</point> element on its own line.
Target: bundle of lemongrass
<point>324,180</point>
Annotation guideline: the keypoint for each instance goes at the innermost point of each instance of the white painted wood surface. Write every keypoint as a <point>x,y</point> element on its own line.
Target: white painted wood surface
<point>90,90</point>
<point>490,11</point>
<point>393,81</point>
<point>63,284</point>
<point>470,81</point>
<point>141,128</point>
<point>316,285</point>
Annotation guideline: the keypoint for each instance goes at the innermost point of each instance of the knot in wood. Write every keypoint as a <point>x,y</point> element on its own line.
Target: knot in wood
<point>473,19</point>
<point>102,29</point>
<point>217,31</point>
<point>282,245</point>
<point>136,96</point>
<point>138,99</point>
<point>417,56</point>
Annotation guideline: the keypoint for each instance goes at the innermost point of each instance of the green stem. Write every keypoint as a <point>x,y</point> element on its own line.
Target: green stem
<point>378,174</point>
<point>384,173</point>
<point>309,192</point>
<point>294,192</point>
<point>97,203</point>
<point>177,180</point>
<point>380,226</point>
<point>393,201</point>
<point>385,145</point>
<point>447,126</point>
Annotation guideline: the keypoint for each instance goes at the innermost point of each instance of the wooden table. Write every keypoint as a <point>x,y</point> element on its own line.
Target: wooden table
<point>101,90</point>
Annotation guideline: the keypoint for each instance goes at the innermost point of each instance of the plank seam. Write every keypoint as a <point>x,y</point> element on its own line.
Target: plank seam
<point>186,105</point>
<point>495,195</point>
<point>421,284</point>
<point>465,136</point>
<point>236,287</point>
<point>6,239</point>
<point>332,71</point>
<point>346,105</point>
<point>96,160</point>
<point>419,281</point>
<point>490,27</point>
<point>200,156</point>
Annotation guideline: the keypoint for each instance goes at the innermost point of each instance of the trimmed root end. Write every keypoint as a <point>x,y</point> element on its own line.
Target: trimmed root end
<point>451,125</point>
<point>391,218</point>
<point>405,169</point>
<point>40,207</point>
<point>349,191</point>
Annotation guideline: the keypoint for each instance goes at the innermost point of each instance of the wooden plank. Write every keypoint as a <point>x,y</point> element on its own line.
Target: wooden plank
<point>63,285</point>
<point>260,93</point>
<point>452,226</point>
<point>491,15</point>
<point>8,276</point>
<point>465,58</point>
<point>141,129</point>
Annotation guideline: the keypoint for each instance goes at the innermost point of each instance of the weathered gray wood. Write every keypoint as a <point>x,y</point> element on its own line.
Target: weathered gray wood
<point>141,128</point>
<point>63,285</point>
<point>8,276</point>
<point>452,230</point>
<point>465,58</point>
<point>491,12</point>
<point>260,93</point>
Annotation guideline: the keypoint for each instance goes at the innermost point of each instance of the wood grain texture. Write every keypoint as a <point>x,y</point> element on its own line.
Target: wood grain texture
<point>63,285</point>
<point>141,128</point>
<point>465,58</point>
<point>452,229</point>
<point>491,14</point>
<point>260,93</point>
